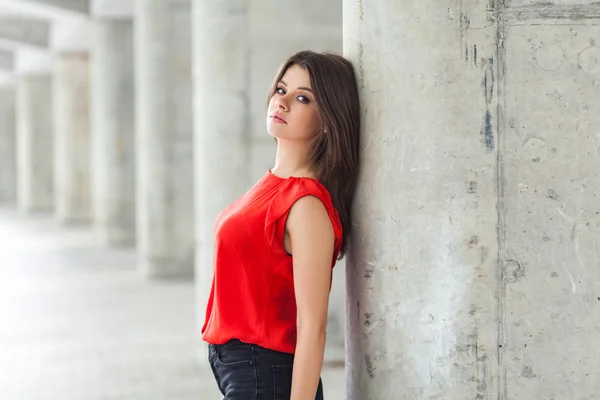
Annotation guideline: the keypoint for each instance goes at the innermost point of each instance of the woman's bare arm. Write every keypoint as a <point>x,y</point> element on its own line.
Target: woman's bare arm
<point>311,243</point>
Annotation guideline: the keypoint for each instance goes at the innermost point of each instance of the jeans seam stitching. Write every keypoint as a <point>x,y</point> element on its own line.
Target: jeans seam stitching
<point>255,374</point>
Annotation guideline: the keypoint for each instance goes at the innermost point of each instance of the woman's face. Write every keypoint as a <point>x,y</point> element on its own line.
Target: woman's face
<point>292,113</point>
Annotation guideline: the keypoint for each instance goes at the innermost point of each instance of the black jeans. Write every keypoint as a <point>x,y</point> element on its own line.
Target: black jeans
<point>250,372</point>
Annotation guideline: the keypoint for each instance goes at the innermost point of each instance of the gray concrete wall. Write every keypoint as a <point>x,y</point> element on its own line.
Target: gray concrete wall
<point>165,198</point>
<point>549,203</point>
<point>113,131</point>
<point>35,143</point>
<point>474,267</point>
<point>72,174</point>
<point>8,161</point>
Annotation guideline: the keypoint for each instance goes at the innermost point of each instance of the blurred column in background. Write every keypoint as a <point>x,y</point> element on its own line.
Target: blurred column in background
<point>165,217</point>
<point>72,137</point>
<point>35,143</point>
<point>8,160</point>
<point>238,48</point>
<point>113,130</point>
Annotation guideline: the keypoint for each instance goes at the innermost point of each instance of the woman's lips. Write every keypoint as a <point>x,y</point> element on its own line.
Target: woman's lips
<point>278,118</point>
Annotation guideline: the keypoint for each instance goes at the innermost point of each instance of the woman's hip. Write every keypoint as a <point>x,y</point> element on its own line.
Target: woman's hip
<point>250,372</point>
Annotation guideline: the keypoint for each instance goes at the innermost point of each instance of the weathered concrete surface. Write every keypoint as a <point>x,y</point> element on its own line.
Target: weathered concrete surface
<point>72,155</point>
<point>8,146</point>
<point>546,3</point>
<point>474,270</point>
<point>422,276</point>
<point>35,143</point>
<point>165,198</point>
<point>113,131</point>
<point>550,209</point>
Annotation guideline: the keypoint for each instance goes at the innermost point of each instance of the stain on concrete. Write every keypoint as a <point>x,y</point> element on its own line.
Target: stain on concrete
<point>471,187</point>
<point>535,149</point>
<point>527,372</point>
<point>487,85</point>
<point>549,57</point>
<point>369,366</point>
<point>483,253</point>
<point>589,60</point>
<point>513,271</point>
<point>465,23</point>
<point>552,195</point>
<point>368,319</point>
<point>361,67</point>
<point>473,241</point>
<point>488,81</point>
<point>488,135</point>
<point>553,11</point>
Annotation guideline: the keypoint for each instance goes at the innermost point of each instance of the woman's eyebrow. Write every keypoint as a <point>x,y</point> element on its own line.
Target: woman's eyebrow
<point>299,87</point>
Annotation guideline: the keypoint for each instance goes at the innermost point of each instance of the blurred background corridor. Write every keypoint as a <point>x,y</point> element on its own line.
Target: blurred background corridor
<point>126,126</point>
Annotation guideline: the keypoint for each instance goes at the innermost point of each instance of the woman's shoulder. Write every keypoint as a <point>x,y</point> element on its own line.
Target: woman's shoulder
<point>298,187</point>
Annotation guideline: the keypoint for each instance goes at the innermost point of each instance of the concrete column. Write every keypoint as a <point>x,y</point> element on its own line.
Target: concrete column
<point>8,161</point>
<point>165,215</point>
<point>113,132</point>
<point>72,143</point>
<point>423,289</point>
<point>35,143</point>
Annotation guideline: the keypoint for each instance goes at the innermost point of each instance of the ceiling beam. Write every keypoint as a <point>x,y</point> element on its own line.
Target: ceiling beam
<point>77,6</point>
<point>29,32</point>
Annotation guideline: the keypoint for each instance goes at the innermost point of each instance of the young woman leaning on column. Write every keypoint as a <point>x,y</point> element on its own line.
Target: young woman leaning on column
<point>275,246</point>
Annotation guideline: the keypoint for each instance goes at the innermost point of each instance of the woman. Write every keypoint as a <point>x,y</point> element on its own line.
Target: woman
<point>275,247</point>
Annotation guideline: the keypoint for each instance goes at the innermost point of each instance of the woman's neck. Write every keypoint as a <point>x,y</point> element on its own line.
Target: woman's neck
<point>292,159</point>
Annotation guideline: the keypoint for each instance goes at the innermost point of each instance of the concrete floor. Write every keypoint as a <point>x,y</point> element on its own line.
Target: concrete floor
<point>77,322</point>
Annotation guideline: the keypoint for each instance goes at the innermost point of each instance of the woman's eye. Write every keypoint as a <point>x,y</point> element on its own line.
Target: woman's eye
<point>303,99</point>
<point>280,90</point>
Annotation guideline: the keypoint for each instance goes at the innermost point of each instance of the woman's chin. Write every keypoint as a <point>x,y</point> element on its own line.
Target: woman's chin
<point>274,130</point>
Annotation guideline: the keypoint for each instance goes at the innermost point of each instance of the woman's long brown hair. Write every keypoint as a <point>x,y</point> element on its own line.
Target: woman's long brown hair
<point>335,156</point>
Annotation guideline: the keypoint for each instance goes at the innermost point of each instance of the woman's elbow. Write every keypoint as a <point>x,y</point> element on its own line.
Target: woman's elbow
<point>312,328</point>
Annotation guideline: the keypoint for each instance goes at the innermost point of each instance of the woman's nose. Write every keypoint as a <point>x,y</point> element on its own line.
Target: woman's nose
<point>282,104</point>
